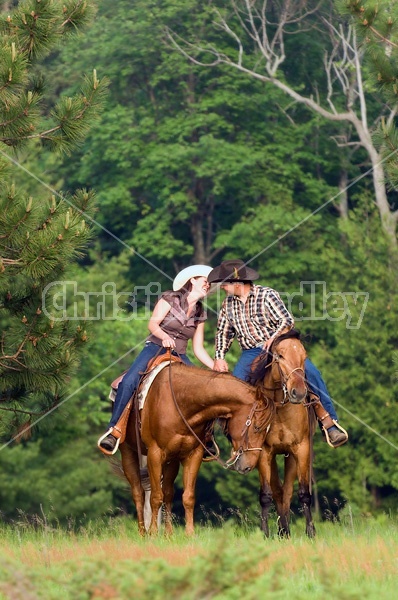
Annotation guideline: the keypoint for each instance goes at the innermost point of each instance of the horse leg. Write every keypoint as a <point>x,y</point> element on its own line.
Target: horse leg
<point>265,495</point>
<point>170,471</point>
<point>191,467</point>
<point>155,466</point>
<point>131,470</point>
<point>278,494</point>
<point>289,478</point>
<point>304,494</point>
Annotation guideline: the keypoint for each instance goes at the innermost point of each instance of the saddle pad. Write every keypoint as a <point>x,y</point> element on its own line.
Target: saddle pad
<point>147,382</point>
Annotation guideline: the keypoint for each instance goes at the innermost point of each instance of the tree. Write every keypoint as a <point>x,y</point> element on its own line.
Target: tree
<point>66,443</point>
<point>262,32</point>
<point>376,25</point>
<point>39,237</point>
<point>290,165</point>
<point>181,153</point>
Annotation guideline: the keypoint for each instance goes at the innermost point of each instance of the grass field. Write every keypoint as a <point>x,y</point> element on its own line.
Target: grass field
<point>352,559</point>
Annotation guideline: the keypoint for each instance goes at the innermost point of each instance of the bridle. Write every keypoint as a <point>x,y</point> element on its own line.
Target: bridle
<point>245,434</point>
<point>285,378</point>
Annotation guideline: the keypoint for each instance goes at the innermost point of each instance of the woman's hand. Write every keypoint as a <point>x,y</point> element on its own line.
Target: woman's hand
<point>168,342</point>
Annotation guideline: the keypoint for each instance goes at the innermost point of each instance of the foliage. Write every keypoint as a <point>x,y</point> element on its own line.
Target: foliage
<point>27,34</point>
<point>353,560</point>
<point>185,153</point>
<point>377,26</point>
<point>62,453</point>
<point>38,236</point>
<point>193,164</point>
<point>358,363</point>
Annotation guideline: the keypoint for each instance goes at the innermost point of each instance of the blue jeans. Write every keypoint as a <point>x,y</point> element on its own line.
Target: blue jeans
<point>318,386</point>
<point>130,381</point>
<point>243,366</point>
<point>312,374</point>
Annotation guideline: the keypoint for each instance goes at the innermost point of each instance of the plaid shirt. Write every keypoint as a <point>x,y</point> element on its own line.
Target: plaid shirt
<point>253,322</point>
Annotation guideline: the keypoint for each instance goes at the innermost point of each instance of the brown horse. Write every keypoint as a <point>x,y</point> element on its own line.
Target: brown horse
<point>180,403</point>
<point>279,376</point>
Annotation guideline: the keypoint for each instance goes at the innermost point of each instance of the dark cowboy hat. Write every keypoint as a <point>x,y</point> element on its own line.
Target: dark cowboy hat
<point>232,270</point>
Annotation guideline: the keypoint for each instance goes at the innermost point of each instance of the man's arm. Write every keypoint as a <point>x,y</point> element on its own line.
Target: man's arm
<point>279,314</point>
<point>224,337</point>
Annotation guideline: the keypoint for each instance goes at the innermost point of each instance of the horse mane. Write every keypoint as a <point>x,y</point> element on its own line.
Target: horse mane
<point>217,374</point>
<point>264,360</point>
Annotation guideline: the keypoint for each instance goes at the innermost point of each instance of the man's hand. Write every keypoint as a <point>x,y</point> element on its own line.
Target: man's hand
<point>220,365</point>
<point>267,344</point>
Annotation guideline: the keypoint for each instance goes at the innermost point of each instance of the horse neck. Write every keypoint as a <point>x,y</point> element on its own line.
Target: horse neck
<point>223,396</point>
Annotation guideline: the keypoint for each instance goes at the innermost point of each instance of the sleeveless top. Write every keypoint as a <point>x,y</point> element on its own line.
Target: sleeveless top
<point>177,324</point>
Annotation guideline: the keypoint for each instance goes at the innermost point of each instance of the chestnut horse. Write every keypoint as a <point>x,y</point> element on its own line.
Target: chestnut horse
<point>181,401</point>
<point>279,376</point>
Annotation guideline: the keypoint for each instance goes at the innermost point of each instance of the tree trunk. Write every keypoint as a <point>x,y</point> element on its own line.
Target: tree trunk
<point>342,206</point>
<point>200,255</point>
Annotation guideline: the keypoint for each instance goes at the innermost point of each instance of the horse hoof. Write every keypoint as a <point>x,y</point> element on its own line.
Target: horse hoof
<point>310,531</point>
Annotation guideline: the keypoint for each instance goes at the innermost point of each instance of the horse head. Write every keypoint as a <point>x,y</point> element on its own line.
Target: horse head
<point>247,441</point>
<point>282,368</point>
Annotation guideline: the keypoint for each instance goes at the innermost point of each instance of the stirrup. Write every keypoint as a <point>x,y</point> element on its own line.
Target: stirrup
<point>336,424</point>
<point>104,450</point>
<point>211,455</point>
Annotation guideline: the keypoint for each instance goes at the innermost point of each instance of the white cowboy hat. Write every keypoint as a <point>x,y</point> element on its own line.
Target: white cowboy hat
<point>185,275</point>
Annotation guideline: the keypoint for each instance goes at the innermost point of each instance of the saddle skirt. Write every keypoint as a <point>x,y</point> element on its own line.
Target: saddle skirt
<point>147,378</point>
<point>146,383</point>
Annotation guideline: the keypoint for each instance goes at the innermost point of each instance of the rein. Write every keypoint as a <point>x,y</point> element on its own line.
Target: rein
<point>245,431</point>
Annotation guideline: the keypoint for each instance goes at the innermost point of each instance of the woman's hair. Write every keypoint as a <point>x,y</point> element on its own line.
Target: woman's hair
<point>182,294</point>
<point>186,288</point>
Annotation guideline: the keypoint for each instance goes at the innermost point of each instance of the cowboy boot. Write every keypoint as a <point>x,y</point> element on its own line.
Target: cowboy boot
<point>335,434</point>
<point>109,442</point>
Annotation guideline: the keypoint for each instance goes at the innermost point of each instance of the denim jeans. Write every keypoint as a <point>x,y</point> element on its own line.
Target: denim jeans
<point>318,386</point>
<point>312,374</point>
<point>130,381</point>
<point>243,366</point>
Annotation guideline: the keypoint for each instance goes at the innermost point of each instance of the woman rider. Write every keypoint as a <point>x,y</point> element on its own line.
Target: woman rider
<point>178,317</point>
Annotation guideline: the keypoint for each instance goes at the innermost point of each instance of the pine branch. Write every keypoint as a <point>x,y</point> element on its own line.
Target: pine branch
<point>31,31</point>
<point>39,237</point>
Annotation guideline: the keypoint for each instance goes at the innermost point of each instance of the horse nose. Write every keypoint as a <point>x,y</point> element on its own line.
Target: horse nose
<point>295,396</point>
<point>242,469</point>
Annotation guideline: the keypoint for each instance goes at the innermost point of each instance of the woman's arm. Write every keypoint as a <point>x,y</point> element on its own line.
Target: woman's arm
<point>160,312</point>
<point>198,348</point>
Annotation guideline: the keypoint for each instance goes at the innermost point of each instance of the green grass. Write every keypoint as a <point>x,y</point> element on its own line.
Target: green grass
<point>356,558</point>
